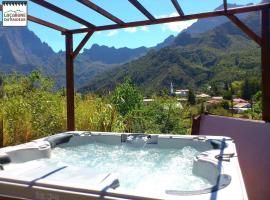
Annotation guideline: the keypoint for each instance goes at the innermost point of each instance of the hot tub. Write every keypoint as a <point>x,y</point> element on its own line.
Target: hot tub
<point>89,165</point>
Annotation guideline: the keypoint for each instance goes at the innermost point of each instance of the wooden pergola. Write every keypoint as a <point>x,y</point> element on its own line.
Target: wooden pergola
<point>263,40</point>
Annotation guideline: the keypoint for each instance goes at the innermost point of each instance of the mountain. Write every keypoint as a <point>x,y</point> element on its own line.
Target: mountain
<point>207,24</point>
<point>22,51</point>
<point>167,42</point>
<point>112,55</point>
<point>221,55</point>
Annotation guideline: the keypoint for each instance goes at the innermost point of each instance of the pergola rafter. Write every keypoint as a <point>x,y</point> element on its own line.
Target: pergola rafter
<point>101,11</point>
<point>245,29</point>
<point>82,43</point>
<point>142,9</point>
<point>63,12</point>
<point>232,11</point>
<point>178,7</point>
<point>45,23</point>
<point>263,41</point>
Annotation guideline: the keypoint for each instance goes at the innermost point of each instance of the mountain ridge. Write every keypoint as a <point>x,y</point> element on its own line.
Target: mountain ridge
<point>194,60</point>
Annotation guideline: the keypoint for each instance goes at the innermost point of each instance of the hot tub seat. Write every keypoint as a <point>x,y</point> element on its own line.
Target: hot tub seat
<point>223,181</point>
<point>52,177</point>
<point>59,139</point>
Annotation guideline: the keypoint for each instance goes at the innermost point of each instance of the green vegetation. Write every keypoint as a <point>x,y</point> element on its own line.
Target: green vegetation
<point>191,97</point>
<point>215,58</point>
<point>31,109</point>
<point>126,98</point>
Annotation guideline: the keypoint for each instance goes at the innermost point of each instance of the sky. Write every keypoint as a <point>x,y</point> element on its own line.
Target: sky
<point>131,37</point>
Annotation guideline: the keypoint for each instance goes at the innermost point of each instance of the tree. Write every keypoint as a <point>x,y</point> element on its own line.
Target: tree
<point>126,98</point>
<point>215,90</point>
<point>249,88</point>
<point>191,97</point>
<point>228,93</point>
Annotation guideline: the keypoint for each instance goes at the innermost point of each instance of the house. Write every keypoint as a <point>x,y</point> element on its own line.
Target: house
<point>202,96</point>
<point>239,100</point>
<point>214,100</point>
<point>241,107</point>
<point>217,98</point>
<point>182,93</point>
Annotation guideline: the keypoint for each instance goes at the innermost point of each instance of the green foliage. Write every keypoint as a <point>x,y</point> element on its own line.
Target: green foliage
<point>250,87</point>
<point>30,110</point>
<point>126,98</point>
<point>225,105</point>
<point>96,114</point>
<point>191,97</point>
<point>228,95</point>
<point>163,115</point>
<point>256,111</point>
<point>1,86</point>
<point>222,55</point>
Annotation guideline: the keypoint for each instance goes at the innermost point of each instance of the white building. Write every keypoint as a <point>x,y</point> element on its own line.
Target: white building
<point>241,107</point>
<point>182,93</point>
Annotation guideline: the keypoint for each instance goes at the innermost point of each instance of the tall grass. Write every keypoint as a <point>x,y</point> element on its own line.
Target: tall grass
<point>96,114</point>
<point>31,110</point>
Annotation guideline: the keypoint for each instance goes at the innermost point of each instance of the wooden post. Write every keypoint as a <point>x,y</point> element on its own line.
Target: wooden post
<point>196,122</point>
<point>265,62</point>
<point>225,5</point>
<point>70,82</point>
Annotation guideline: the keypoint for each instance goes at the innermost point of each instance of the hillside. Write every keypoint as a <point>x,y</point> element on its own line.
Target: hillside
<point>221,55</point>
<point>21,51</point>
<point>112,55</point>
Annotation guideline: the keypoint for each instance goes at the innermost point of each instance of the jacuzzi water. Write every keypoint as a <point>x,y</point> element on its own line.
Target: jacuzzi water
<point>137,167</point>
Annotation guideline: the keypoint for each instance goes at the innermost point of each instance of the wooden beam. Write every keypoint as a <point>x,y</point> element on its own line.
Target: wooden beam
<point>100,10</point>
<point>63,12</point>
<point>225,5</point>
<point>70,82</point>
<point>196,122</point>
<point>82,43</point>
<point>178,7</point>
<point>265,62</point>
<point>244,9</point>
<point>47,24</point>
<point>142,9</point>
<point>245,29</point>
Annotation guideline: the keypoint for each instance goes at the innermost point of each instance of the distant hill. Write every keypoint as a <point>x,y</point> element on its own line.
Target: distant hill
<point>111,55</point>
<point>221,55</point>
<point>207,24</point>
<point>22,51</point>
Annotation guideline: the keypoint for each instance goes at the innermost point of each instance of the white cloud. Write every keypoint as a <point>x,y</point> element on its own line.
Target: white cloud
<point>112,33</point>
<point>131,30</point>
<point>177,26</point>
<point>144,28</point>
